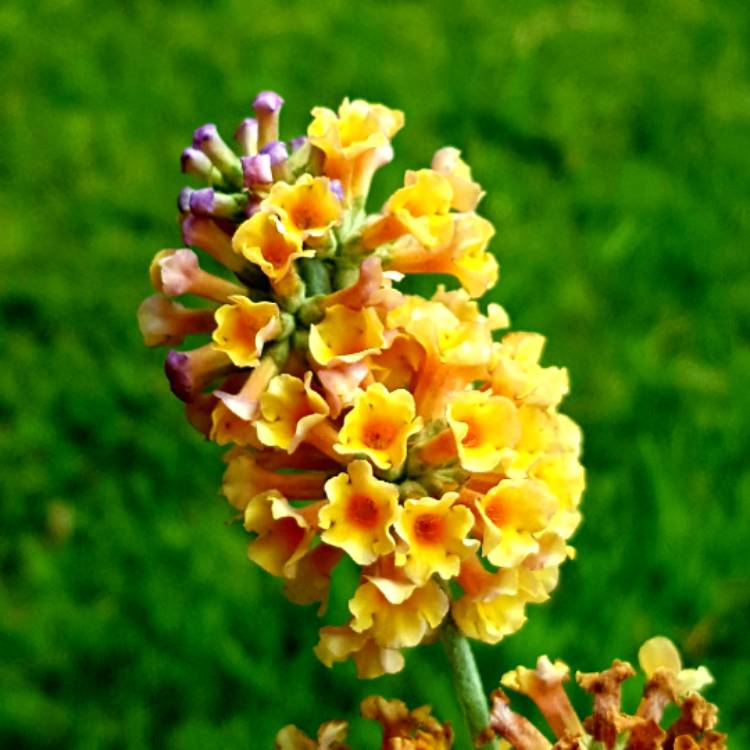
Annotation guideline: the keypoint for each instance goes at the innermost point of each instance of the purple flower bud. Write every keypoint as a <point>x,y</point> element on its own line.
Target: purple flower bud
<point>297,143</point>
<point>183,200</point>
<point>256,170</point>
<point>277,151</point>
<point>267,101</point>
<point>177,370</point>
<point>189,372</point>
<point>337,189</point>
<point>202,202</point>
<point>208,202</point>
<point>195,162</point>
<point>247,136</point>
<point>205,134</point>
<point>267,106</point>
<point>207,139</point>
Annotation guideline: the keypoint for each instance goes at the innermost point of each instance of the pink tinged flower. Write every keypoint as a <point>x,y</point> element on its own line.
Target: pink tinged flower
<point>163,321</point>
<point>342,384</point>
<point>246,402</point>
<point>267,106</point>
<point>190,372</point>
<point>246,136</point>
<point>466,192</point>
<point>204,233</point>
<point>176,272</point>
<point>289,409</point>
<point>371,289</point>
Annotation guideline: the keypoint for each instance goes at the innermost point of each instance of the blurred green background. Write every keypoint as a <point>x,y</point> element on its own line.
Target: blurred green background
<point>612,138</point>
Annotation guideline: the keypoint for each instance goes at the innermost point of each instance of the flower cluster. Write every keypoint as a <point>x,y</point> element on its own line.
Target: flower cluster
<point>399,431</point>
<point>606,729</point>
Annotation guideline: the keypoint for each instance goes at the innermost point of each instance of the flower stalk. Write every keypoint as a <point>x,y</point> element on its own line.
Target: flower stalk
<point>467,684</point>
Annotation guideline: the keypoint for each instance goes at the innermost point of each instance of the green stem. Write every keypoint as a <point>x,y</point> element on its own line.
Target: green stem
<point>466,682</point>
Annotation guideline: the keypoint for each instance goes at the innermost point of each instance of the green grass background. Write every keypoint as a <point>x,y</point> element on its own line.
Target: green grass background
<point>612,138</point>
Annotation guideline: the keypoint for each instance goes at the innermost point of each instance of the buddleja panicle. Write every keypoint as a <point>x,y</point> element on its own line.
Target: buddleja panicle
<point>410,434</point>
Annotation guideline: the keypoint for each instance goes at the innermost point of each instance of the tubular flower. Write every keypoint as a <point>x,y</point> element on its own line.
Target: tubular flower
<point>243,327</point>
<point>345,336</point>
<point>309,208</point>
<point>434,534</point>
<point>359,513</point>
<point>355,142</point>
<point>262,241</point>
<point>608,728</point>
<point>398,614</point>
<point>289,410</point>
<point>379,426</point>
<point>363,422</point>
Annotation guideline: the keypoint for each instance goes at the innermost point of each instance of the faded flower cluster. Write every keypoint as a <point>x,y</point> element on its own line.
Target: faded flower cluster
<point>609,727</point>
<point>408,434</point>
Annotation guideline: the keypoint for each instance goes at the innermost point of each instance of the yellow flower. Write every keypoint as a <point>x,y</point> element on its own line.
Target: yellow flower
<point>434,532</point>
<point>489,620</point>
<point>518,375</point>
<point>345,336</point>
<point>227,427</point>
<point>485,428</point>
<point>243,327</point>
<point>356,141</point>
<point>397,366</point>
<point>659,653</point>
<point>462,255</point>
<point>512,513</point>
<point>284,533</point>
<point>289,408</point>
<point>309,208</point>
<point>419,209</point>
<point>359,513</point>
<point>466,192</point>
<point>379,426</point>
<point>341,643</point>
<point>398,614</point>
<point>261,240</point>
